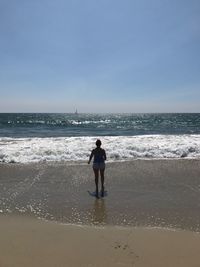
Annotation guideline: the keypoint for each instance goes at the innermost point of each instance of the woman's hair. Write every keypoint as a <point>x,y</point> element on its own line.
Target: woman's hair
<point>98,143</point>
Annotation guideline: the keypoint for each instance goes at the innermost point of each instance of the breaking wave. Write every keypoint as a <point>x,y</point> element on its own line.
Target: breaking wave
<point>25,150</point>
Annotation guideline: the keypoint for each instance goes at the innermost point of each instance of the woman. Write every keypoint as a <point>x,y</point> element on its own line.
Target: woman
<point>99,155</point>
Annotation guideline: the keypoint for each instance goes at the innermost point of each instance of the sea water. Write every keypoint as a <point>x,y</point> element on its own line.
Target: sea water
<point>38,137</point>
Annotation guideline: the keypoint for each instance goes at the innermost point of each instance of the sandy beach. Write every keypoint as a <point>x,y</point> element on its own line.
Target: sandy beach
<point>150,215</point>
<point>30,242</point>
<point>152,193</point>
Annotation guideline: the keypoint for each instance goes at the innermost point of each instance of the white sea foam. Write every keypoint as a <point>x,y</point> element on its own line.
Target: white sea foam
<point>26,150</point>
<point>76,122</point>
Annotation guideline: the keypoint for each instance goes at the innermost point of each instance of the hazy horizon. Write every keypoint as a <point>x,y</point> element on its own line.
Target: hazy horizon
<point>100,113</point>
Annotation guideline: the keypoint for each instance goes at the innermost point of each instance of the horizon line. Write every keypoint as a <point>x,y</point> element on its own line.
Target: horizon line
<point>79,113</point>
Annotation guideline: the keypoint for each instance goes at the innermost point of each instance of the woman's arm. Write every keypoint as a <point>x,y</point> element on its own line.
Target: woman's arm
<point>91,156</point>
<point>104,155</point>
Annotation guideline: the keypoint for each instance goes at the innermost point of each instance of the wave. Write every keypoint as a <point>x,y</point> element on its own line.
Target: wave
<point>58,122</point>
<point>63,125</point>
<point>25,150</point>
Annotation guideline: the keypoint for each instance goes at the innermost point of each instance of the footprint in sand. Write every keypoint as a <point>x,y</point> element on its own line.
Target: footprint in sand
<point>125,251</point>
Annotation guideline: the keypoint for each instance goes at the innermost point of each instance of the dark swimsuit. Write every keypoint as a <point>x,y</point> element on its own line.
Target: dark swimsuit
<point>98,162</point>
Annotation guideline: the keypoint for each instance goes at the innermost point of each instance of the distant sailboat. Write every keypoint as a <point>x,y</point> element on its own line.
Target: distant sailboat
<point>76,112</point>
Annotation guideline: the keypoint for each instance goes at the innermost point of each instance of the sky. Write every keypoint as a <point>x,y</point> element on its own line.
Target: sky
<point>100,56</point>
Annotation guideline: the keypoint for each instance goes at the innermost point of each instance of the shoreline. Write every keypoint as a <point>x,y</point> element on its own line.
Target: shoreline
<point>149,217</point>
<point>107,162</point>
<point>163,193</point>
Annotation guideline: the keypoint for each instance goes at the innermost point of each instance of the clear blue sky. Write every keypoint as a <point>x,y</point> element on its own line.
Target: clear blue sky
<point>100,56</point>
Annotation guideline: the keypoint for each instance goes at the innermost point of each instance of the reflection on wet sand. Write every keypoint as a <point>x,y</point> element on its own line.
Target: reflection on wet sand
<point>98,214</point>
<point>161,193</point>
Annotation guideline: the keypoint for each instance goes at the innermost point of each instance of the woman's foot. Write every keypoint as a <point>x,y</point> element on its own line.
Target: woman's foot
<point>97,194</point>
<point>102,191</point>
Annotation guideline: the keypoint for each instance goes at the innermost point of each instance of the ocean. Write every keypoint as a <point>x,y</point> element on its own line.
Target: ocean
<point>34,137</point>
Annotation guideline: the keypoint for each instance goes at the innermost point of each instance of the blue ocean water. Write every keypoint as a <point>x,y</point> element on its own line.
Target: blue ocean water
<point>70,137</point>
<point>65,125</point>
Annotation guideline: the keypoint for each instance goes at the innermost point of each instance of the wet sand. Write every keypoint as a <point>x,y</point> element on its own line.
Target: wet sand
<point>30,242</point>
<point>164,193</point>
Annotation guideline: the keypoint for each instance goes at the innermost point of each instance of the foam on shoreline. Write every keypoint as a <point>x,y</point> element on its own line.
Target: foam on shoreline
<point>25,150</point>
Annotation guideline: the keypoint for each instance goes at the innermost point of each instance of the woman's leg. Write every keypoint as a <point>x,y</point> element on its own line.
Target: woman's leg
<point>96,174</point>
<point>102,181</point>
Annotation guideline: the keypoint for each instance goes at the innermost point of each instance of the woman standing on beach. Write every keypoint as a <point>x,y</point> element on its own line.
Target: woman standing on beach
<point>99,155</point>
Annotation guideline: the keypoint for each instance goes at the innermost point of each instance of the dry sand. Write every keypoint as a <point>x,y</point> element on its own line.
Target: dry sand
<point>31,242</point>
